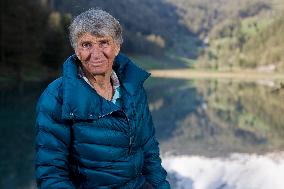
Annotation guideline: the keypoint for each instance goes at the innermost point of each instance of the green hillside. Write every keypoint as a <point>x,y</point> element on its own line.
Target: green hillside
<point>239,34</point>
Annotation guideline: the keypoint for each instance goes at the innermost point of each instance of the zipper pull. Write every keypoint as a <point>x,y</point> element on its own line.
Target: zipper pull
<point>130,144</point>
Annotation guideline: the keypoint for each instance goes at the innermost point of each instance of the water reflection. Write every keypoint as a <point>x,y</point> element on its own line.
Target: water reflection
<point>17,103</point>
<point>215,128</point>
<point>239,171</point>
<point>208,118</point>
<point>217,117</point>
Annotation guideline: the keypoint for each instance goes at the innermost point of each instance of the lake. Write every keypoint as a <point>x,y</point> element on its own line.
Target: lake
<point>220,134</point>
<point>213,134</point>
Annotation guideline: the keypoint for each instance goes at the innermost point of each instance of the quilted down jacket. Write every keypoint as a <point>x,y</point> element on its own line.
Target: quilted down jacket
<point>85,141</point>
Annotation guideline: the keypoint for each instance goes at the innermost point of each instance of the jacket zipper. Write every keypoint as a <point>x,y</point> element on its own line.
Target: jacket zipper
<point>101,116</point>
<point>130,137</point>
<point>130,144</point>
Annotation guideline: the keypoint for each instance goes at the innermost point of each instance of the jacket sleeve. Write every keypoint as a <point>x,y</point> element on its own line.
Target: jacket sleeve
<point>52,143</point>
<point>152,169</point>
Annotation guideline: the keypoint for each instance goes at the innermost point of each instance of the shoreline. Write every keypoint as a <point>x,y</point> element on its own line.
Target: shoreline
<point>205,74</point>
<point>175,74</point>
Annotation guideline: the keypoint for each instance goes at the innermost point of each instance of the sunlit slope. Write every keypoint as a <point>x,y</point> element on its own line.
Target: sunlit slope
<point>242,34</point>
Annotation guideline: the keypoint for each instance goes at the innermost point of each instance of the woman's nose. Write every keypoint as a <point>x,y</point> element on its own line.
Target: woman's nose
<point>96,48</point>
<point>96,51</point>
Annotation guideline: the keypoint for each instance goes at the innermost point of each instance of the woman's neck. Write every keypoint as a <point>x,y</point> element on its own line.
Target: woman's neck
<point>101,83</point>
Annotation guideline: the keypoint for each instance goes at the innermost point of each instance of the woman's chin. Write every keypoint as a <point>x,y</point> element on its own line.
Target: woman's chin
<point>99,71</point>
<point>97,68</point>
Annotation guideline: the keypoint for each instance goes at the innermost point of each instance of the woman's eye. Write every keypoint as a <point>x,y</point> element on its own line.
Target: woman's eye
<point>104,44</point>
<point>86,45</point>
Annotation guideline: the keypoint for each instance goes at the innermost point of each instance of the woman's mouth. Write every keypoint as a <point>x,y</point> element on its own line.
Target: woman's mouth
<point>97,63</point>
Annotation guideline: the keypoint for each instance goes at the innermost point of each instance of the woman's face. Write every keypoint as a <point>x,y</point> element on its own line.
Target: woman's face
<point>96,53</point>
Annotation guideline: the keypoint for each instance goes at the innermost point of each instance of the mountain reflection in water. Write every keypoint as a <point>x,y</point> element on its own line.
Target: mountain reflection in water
<point>220,134</point>
<point>217,117</point>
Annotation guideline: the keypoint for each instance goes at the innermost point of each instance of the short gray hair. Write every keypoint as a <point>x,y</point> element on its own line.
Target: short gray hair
<point>96,22</point>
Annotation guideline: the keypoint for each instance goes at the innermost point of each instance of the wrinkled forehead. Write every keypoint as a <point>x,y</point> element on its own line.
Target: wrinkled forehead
<point>93,37</point>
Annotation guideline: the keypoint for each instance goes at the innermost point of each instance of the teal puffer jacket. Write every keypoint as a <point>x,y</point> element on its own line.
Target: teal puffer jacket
<point>85,141</point>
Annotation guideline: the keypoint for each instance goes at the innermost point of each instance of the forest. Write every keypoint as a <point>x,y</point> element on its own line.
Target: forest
<point>222,35</point>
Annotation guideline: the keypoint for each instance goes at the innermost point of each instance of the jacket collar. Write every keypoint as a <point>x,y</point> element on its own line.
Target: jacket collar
<point>80,101</point>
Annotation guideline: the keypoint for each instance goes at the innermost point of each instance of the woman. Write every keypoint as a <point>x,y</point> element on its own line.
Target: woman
<point>93,127</point>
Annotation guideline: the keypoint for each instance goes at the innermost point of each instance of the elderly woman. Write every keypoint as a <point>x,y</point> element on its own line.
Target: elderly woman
<point>93,127</point>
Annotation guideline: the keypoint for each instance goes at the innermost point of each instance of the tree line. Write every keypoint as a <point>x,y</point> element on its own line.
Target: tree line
<point>238,34</point>
<point>31,36</point>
